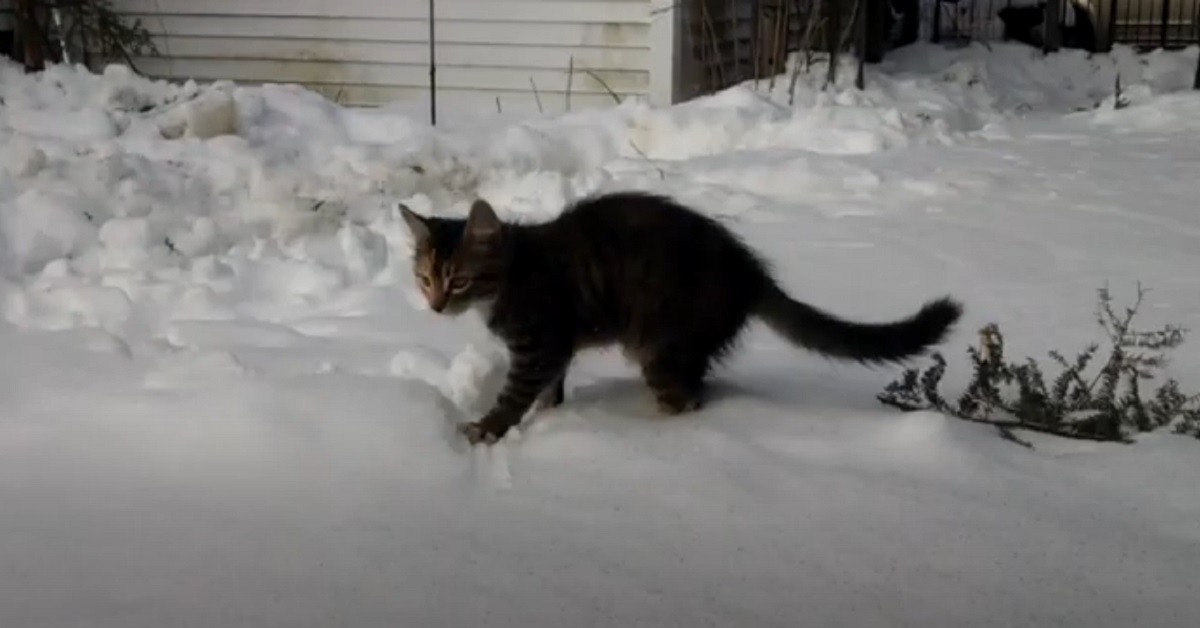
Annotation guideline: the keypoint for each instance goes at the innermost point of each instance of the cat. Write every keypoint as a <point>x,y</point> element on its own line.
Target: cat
<point>673,287</point>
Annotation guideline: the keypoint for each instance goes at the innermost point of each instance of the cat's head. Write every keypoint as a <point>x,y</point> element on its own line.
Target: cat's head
<point>457,263</point>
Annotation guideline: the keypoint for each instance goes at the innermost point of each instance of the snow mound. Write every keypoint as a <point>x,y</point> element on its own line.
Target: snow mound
<point>1140,111</point>
<point>39,227</point>
<point>22,158</point>
<point>111,173</point>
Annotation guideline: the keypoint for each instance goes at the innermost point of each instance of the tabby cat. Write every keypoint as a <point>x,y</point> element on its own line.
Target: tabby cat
<point>673,287</point>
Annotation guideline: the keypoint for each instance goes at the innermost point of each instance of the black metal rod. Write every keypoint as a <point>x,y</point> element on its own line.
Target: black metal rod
<point>1165,23</point>
<point>1052,20</point>
<point>1112,25</point>
<point>432,70</point>
<point>936,36</point>
<point>860,41</point>
<point>1196,80</point>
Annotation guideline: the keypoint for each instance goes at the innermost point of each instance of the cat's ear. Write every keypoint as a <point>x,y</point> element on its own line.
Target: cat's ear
<point>482,222</point>
<point>416,224</point>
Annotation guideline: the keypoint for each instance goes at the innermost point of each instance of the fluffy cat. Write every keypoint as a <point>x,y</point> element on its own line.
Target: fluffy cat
<point>673,287</point>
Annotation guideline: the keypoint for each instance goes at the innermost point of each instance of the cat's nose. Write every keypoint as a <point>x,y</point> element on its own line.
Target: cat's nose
<point>437,305</point>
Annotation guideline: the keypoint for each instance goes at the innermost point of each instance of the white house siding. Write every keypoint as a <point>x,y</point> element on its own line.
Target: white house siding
<point>366,52</point>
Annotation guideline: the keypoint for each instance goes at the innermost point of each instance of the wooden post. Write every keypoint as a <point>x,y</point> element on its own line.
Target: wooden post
<point>30,35</point>
<point>1196,81</point>
<point>1053,22</point>
<point>875,28</point>
<point>833,37</point>
<point>1112,25</point>
<point>936,36</point>
<point>8,34</point>
<point>860,43</point>
<point>1165,23</point>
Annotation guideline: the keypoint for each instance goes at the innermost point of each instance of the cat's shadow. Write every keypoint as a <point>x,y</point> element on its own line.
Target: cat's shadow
<point>628,397</point>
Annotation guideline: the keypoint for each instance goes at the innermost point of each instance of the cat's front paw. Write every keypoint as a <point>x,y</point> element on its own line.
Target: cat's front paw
<point>483,431</point>
<point>550,398</point>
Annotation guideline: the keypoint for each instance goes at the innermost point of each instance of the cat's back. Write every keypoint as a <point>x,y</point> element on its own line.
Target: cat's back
<point>636,265</point>
<point>631,236</point>
<point>640,217</point>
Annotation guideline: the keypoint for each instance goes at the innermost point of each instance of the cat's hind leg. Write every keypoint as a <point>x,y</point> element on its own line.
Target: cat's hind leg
<point>676,377</point>
<point>552,396</point>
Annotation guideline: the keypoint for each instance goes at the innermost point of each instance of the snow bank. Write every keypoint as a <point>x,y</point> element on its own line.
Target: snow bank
<point>209,200</point>
<point>39,227</point>
<point>210,167</point>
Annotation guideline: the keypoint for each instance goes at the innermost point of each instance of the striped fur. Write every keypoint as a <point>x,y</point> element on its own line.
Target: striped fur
<point>674,288</point>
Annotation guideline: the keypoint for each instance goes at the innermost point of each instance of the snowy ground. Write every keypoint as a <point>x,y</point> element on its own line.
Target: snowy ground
<point>222,405</point>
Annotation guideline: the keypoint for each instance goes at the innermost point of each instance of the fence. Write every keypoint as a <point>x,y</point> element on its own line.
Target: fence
<point>1093,25</point>
<point>726,42</point>
<point>731,41</point>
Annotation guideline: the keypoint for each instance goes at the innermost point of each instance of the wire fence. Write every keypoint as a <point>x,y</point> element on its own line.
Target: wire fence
<point>731,41</point>
<point>1093,25</point>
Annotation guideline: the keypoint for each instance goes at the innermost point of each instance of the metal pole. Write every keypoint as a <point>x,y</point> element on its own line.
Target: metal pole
<point>1164,23</point>
<point>860,41</point>
<point>1196,29</point>
<point>1196,80</point>
<point>1112,25</point>
<point>432,71</point>
<point>1053,24</point>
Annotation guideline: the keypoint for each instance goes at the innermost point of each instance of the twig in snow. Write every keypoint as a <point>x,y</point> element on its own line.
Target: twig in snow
<point>537,97</point>
<point>662,174</point>
<point>1007,434</point>
<point>1119,100</point>
<point>670,7</point>
<point>779,42</point>
<point>570,76</point>
<point>596,77</point>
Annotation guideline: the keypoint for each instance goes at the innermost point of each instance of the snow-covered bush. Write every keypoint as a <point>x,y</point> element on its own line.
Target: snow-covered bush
<point>1107,405</point>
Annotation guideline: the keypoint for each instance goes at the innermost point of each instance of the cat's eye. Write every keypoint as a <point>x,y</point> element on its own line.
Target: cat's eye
<point>424,279</point>
<point>458,284</point>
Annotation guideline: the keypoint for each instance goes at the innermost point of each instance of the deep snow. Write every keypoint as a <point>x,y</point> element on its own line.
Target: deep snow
<point>222,403</point>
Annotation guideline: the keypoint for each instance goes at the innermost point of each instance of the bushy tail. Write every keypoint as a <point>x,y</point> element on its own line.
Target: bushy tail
<point>824,333</point>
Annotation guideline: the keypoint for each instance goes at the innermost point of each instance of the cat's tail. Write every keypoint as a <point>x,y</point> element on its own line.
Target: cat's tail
<point>826,334</point>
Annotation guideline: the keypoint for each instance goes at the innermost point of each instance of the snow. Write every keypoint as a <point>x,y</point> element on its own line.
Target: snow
<point>223,403</point>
